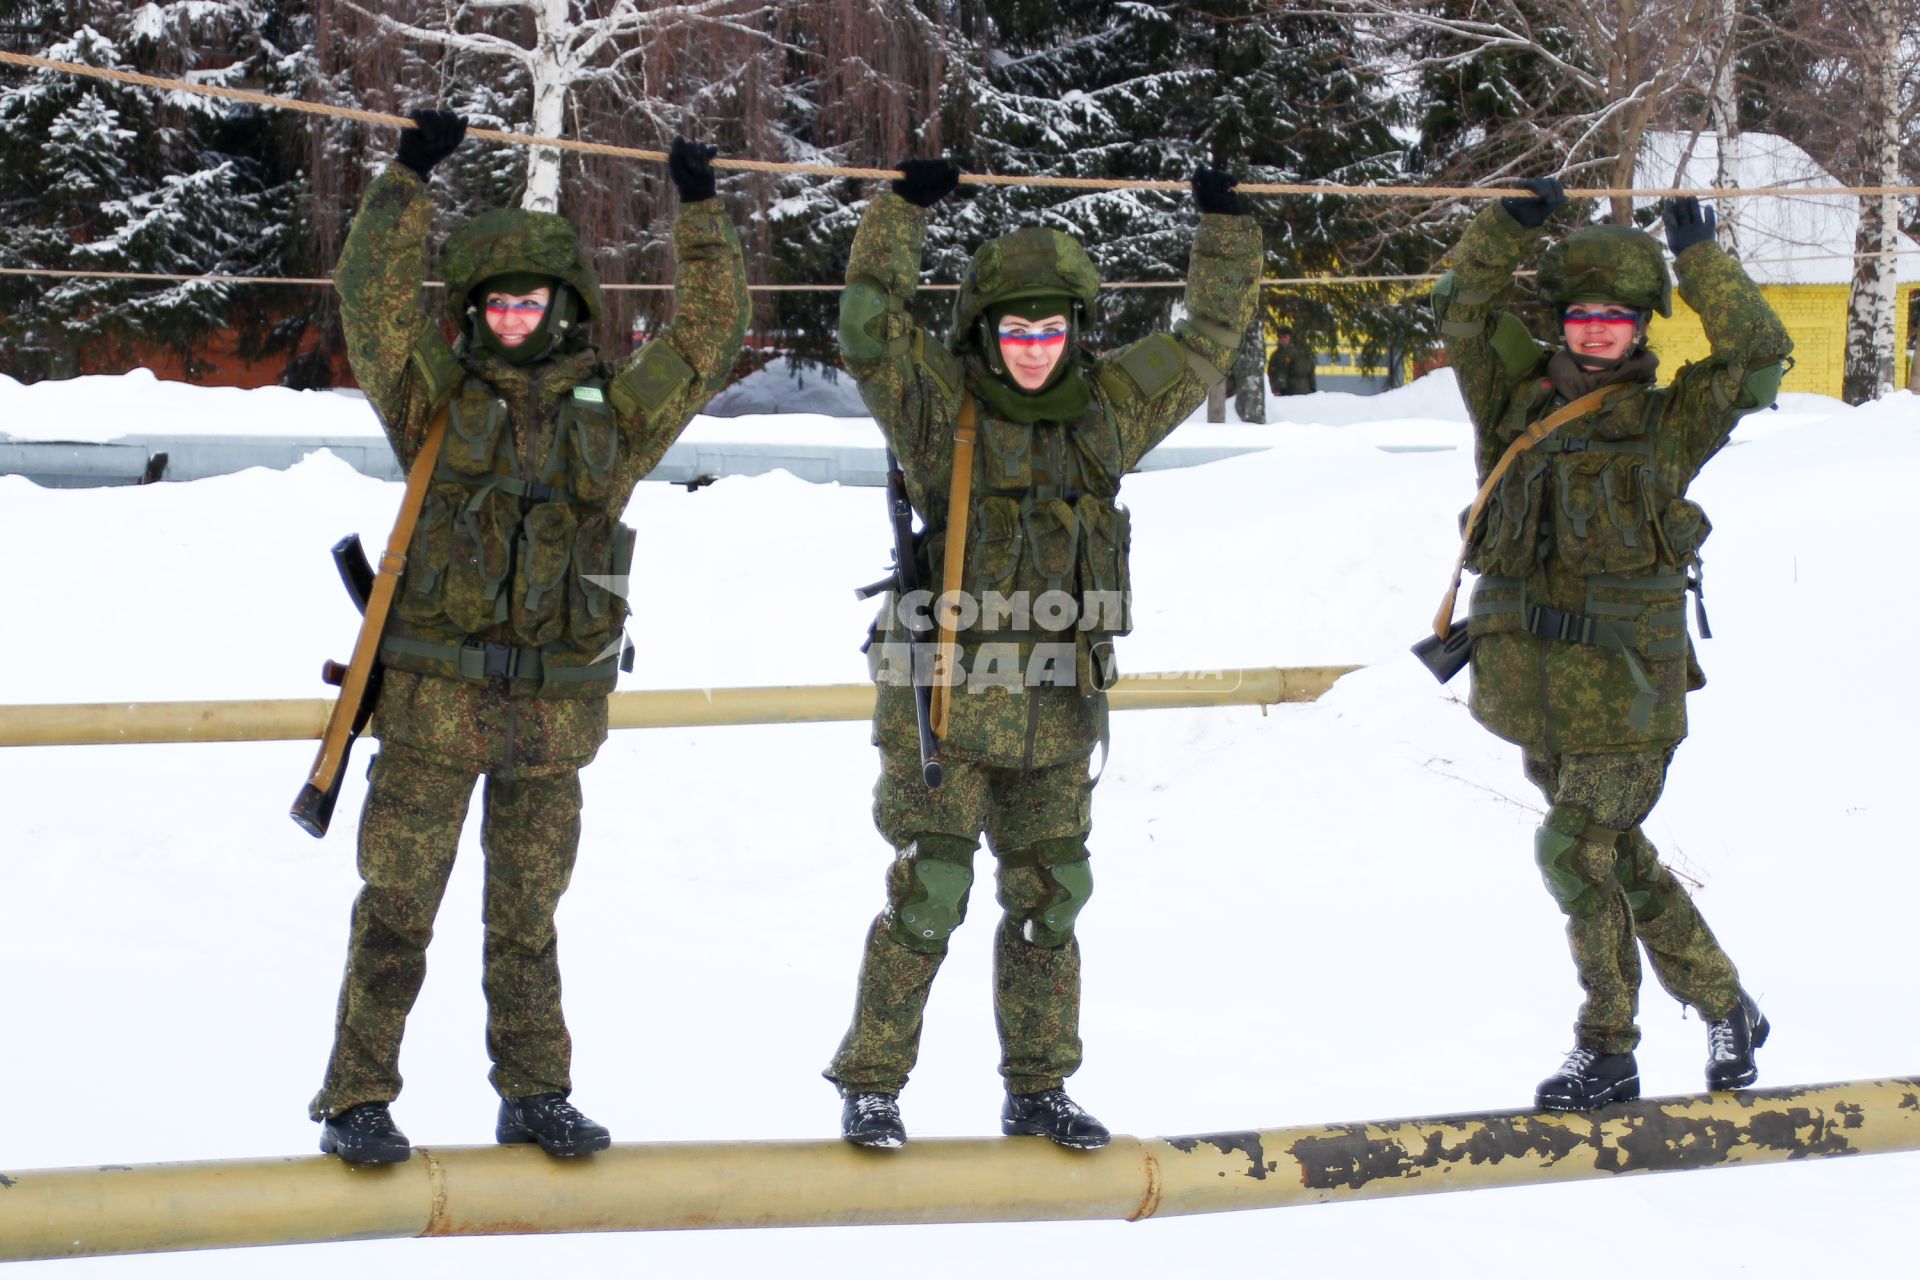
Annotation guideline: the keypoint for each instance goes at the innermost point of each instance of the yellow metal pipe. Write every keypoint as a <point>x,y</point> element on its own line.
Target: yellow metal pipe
<point>302,719</point>
<point>462,1191</point>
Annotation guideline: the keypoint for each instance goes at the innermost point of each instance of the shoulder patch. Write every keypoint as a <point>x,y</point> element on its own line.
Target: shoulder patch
<point>652,378</point>
<point>1153,364</point>
<point>433,361</point>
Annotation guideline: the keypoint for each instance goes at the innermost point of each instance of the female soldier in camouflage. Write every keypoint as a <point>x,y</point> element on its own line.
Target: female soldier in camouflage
<point>1057,430</point>
<point>1580,650</point>
<point>504,639</point>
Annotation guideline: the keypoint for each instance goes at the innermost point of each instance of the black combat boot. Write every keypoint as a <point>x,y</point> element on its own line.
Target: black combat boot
<point>1587,1080</point>
<point>364,1134</point>
<point>1730,1045</point>
<point>553,1122</point>
<point>873,1120</point>
<point>1052,1114</point>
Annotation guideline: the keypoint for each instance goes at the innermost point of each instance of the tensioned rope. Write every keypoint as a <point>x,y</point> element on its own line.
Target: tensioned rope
<point>1267,282</point>
<point>976,179</point>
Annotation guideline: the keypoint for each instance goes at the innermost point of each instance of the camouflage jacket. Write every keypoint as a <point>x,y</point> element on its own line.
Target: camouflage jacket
<point>1586,545</point>
<point>1044,513</point>
<point>1290,370</point>
<point>545,413</point>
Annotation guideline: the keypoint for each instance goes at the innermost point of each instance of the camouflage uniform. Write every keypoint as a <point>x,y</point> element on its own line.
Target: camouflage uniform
<point>1044,517</point>
<point>1290,369</point>
<point>502,647</point>
<point>1581,654</point>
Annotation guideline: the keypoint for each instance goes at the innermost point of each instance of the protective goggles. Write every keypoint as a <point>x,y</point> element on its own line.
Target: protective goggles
<point>519,307</point>
<point>1578,314</point>
<point>1033,337</point>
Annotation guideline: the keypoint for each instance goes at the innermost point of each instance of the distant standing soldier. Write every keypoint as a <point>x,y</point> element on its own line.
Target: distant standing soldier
<point>1057,429</point>
<point>1290,367</point>
<point>505,636</point>
<point>1589,544</point>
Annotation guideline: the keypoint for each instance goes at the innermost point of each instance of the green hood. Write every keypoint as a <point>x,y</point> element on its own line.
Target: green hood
<point>511,241</point>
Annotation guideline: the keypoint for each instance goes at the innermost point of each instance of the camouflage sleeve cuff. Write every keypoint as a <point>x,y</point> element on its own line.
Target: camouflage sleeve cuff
<point>1490,248</point>
<point>703,224</point>
<point>887,248</point>
<point>1223,273</point>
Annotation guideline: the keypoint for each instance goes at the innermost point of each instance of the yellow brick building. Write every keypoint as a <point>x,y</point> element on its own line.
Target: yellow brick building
<point>1816,318</point>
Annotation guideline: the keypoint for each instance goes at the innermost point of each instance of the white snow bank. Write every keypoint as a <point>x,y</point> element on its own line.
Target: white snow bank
<point>1321,913</point>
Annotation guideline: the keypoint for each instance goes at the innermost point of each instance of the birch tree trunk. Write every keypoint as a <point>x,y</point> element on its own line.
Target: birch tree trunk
<point>553,74</point>
<point>1869,366</point>
<point>1724,108</point>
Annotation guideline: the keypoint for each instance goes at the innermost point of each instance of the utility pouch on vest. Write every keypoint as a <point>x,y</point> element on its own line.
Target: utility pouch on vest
<point>481,553</point>
<point>1508,542</point>
<point>589,430</point>
<point>602,556</point>
<point>474,423</point>
<point>1106,584</point>
<point>1009,454</point>
<point>1053,535</point>
<point>540,573</point>
<point>418,599</point>
<point>993,547</point>
<point>1601,520</point>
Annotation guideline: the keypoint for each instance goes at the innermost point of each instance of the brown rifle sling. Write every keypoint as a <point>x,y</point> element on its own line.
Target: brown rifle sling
<point>1533,435</point>
<point>393,562</point>
<point>954,563</point>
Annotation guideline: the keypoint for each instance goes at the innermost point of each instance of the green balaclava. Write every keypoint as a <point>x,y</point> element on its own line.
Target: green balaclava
<point>546,338</point>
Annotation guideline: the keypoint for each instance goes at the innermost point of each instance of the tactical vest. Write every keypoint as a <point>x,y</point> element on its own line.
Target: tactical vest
<point>1587,540</point>
<point>1044,531</point>
<point>506,576</point>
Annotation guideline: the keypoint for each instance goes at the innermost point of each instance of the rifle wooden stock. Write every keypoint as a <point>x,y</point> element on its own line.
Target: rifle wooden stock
<point>946,655</point>
<point>313,807</point>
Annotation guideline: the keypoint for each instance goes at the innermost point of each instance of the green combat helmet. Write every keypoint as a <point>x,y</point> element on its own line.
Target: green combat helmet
<point>1033,262</point>
<point>515,242</point>
<point>1607,264</point>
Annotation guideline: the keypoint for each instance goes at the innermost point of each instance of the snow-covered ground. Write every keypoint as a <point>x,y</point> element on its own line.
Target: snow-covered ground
<point>1322,913</point>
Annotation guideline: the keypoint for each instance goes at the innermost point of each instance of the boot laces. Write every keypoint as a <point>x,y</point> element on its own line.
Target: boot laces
<point>869,1105</point>
<point>561,1110</point>
<point>1578,1060</point>
<point>1057,1101</point>
<point>1720,1040</point>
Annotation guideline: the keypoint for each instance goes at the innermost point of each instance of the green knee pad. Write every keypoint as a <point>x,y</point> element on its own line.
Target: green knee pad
<point>1554,843</point>
<point>941,874</point>
<point>1051,926</point>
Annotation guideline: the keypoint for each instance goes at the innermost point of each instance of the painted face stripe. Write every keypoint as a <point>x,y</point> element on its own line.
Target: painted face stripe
<point>1046,339</point>
<point>516,308</point>
<point>1599,317</point>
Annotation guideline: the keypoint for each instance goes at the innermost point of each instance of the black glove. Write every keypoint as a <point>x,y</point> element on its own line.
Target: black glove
<point>926,181</point>
<point>690,166</point>
<point>1687,222</point>
<point>1534,212</point>
<point>425,146</point>
<point>1213,191</point>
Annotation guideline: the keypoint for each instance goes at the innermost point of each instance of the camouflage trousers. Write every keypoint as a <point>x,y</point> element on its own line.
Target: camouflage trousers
<point>1034,820</point>
<point>1618,896</point>
<point>409,833</point>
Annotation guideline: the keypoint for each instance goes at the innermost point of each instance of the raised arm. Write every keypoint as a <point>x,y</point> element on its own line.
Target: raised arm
<point>1489,348</point>
<point>1154,384</point>
<point>910,382</point>
<point>399,357</point>
<point>1749,344</point>
<point>671,378</point>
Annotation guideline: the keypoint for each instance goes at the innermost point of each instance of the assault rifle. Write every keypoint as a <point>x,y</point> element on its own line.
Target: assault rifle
<point>904,580</point>
<point>359,680</point>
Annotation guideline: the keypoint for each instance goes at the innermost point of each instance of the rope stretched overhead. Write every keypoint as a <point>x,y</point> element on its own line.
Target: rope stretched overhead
<point>977,179</point>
